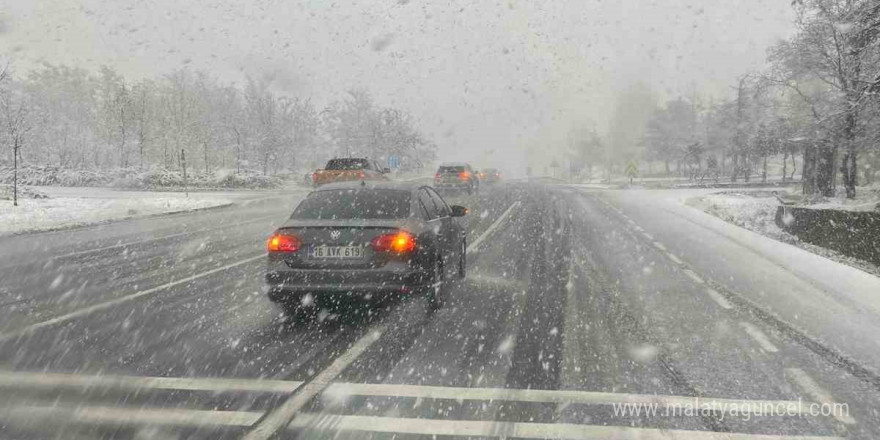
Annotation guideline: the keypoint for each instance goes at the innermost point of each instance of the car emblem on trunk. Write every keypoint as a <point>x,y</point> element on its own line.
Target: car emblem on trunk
<point>335,234</point>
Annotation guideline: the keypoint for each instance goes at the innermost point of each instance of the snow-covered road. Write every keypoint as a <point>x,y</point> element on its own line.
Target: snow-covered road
<point>577,301</point>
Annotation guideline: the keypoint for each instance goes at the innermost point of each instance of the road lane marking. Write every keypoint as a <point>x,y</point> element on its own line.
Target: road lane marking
<point>501,429</point>
<point>281,416</point>
<point>692,275</point>
<point>28,379</point>
<point>659,245</point>
<point>675,259</point>
<point>476,243</point>
<point>115,416</point>
<point>115,302</point>
<point>487,280</point>
<point>38,380</point>
<point>104,415</point>
<point>648,236</point>
<point>556,396</point>
<point>720,299</point>
<point>809,386</point>
<point>759,337</point>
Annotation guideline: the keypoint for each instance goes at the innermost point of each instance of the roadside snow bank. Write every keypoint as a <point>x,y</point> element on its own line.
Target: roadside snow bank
<point>84,208</point>
<point>756,211</point>
<point>153,178</point>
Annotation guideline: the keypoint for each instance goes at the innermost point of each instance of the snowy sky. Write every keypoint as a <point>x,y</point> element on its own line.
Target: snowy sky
<point>486,79</point>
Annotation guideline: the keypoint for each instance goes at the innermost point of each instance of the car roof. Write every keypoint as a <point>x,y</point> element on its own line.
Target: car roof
<point>371,184</point>
<point>455,164</point>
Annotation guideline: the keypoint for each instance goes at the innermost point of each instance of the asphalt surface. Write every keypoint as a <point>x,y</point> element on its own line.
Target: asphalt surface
<point>575,302</point>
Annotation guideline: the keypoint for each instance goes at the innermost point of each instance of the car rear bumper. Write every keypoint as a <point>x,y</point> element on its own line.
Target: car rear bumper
<point>452,185</point>
<point>291,285</point>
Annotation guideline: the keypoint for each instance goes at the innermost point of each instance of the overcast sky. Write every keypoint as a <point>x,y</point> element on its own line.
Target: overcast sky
<point>486,79</point>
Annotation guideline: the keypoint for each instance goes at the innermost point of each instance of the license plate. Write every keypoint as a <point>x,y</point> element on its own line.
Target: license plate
<point>341,252</point>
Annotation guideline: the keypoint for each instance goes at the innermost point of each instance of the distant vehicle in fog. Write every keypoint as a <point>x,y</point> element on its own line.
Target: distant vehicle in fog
<point>457,177</point>
<point>348,169</point>
<point>364,242</point>
<point>491,175</point>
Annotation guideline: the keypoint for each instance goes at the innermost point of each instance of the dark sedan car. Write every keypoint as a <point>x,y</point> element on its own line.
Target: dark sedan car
<point>365,241</point>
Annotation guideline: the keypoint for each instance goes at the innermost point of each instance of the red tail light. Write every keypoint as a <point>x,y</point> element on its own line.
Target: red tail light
<point>283,243</point>
<point>314,177</point>
<point>398,242</point>
<point>437,176</point>
<point>464,176</point>
<point>361,175</point>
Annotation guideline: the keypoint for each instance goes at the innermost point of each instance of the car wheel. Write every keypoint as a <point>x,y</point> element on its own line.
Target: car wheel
<point>462,261</point>
<point>435,288</point>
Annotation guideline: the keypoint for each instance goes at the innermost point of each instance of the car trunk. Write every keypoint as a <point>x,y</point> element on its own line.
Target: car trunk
<point>343,244</point>
<point>452,176</point>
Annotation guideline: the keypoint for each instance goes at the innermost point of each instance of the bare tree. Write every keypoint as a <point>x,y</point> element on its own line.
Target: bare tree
<point>16,124</point>
<point>832,64</point>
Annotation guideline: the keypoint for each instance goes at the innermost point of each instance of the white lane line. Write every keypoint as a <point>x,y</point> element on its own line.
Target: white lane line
<point>115,416</point>
<point>719,298</point>
<point>759,337</point>
<point>809,386</point>
<point>18,379</point>
<point>476,243</point>
<point>26,379</point>
<point>488,280</point>
<point>692,275</point>
<point>659,245</point>
<point>481,428</point>
<point>674,258</point>
<point>558,396</point>
<point>648,236</point>
<point>281,416</point>
<point>115,302</point>
<point>165,237</point>
<point>103,415</point>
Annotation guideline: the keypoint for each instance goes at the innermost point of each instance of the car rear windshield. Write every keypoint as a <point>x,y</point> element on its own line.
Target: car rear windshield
<point>346,164</point>
<point>451,170</point>
<point>345,204</point>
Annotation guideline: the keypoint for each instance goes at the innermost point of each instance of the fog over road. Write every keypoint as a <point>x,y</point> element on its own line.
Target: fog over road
<point>577,301</point>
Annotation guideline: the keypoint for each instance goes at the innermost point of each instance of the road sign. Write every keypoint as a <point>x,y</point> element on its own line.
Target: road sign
<point>631,171</point>
<point>393,161</point>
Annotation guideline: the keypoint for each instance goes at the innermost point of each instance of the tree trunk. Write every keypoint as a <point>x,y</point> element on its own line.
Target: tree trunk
<point>666,164</point>
<point>848,169</point>
<point>808,173</point>
<point>15,175</point>
<point>784,165</point>
<point>183,167</point>
<point>850,173</point>
<point>205,148</point>
<point>764,171</point>
<point>734,167</point>
<point>824,169</point>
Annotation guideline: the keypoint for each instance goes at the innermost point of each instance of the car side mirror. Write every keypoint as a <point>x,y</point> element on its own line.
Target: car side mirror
<point>459,211</point>
<point>386,170</point>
